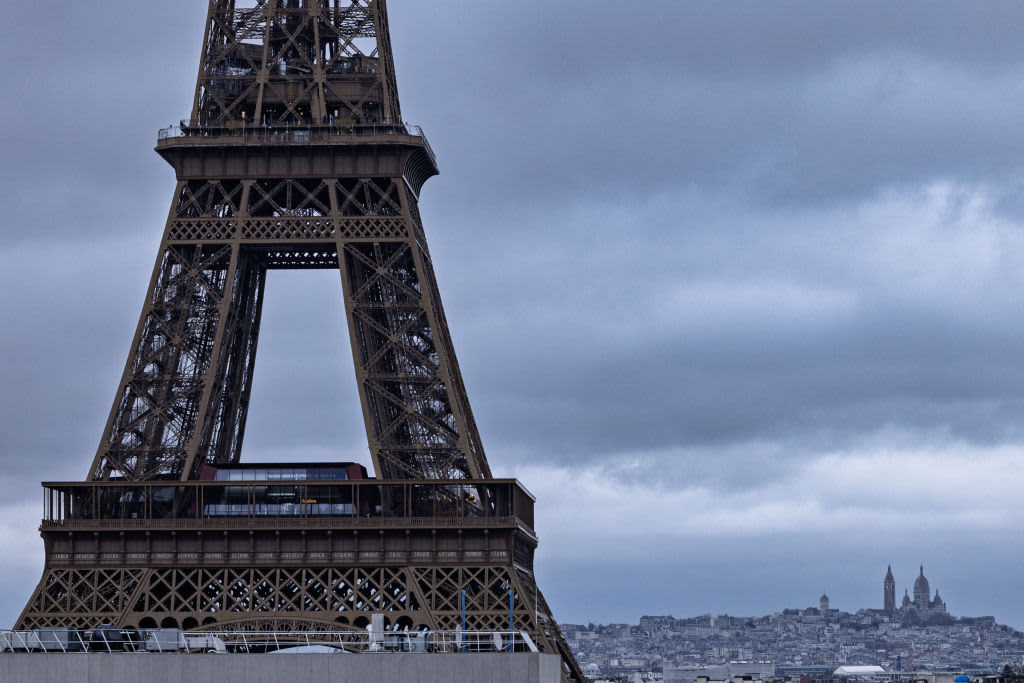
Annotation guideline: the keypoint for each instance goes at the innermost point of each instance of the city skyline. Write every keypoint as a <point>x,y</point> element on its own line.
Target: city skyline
<point>879,606</point>
<point>767,270</point>
<point>793,643</point>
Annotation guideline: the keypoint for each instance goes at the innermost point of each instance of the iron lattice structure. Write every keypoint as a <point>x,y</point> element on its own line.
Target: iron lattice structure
<point>295,156</point>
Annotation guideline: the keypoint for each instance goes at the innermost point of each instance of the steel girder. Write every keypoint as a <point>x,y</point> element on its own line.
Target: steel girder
<point>185,391</point>
<point>295,156</point>
<point>267,598</point>
<point>281,61</point>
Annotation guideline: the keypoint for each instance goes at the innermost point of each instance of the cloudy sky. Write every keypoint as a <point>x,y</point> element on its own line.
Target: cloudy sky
<point>734,285</point>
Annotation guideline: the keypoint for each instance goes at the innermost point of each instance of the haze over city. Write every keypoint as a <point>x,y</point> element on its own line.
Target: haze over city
<point>734,287</point>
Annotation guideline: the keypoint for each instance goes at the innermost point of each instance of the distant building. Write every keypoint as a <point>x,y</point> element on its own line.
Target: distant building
<point>889,592</point>
<point>726,673</point>
<point>847,671</point>
<point>922,592</point>
<point>823,602</point>
<point>922,608</point>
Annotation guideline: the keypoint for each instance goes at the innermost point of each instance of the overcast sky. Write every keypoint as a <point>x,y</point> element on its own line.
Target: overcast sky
<point>735,286</point>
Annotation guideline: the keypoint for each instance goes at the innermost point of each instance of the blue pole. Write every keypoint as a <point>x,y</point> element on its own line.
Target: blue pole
<point>463,619</point>
<point>511,621</point>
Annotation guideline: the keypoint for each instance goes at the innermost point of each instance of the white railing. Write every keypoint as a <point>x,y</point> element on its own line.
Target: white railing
<point>109,639</point>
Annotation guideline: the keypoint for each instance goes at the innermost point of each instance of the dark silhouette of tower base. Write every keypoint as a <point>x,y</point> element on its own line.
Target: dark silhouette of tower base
<point>295,156</point>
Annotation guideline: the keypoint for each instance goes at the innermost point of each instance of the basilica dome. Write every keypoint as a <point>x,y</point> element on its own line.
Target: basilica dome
<point>922,591</point>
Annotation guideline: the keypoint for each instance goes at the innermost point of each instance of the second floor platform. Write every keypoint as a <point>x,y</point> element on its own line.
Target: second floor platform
<point>256,498</point>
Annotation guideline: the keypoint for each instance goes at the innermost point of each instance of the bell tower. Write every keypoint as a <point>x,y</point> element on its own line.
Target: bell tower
<point>889,592</point>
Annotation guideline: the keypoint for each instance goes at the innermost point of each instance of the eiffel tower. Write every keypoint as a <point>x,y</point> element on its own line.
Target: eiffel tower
<point>295,156</point>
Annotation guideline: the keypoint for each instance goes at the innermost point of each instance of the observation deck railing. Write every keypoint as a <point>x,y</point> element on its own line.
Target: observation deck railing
<point>271,503</point>
<point>242,133</point>
<point>229,641</point>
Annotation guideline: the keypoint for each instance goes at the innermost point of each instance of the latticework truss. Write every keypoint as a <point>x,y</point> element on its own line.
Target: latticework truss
<point>185,390</point>
<point>272,62</point>
<point>292,599</point>
<point>295,156</point>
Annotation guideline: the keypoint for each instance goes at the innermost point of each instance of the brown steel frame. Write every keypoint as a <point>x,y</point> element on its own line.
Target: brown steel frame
<point>295,156</point>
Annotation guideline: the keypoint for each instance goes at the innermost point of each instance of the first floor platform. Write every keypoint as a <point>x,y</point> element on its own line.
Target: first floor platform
<point>243,668</point>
